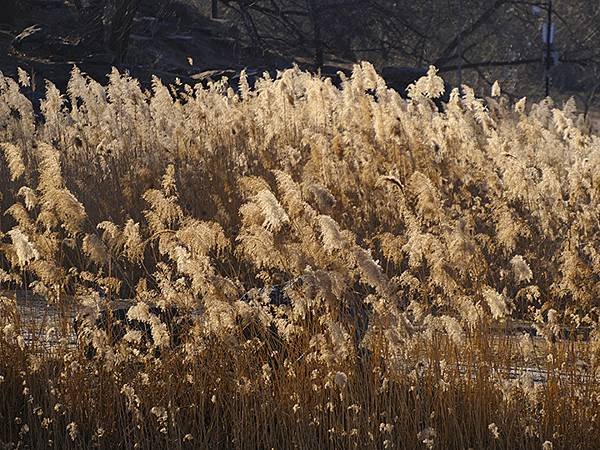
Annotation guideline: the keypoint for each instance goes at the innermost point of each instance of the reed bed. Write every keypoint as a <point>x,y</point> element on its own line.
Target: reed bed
<point>439,267</point>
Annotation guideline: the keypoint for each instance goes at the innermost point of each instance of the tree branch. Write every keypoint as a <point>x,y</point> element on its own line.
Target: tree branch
<point>447,52</point>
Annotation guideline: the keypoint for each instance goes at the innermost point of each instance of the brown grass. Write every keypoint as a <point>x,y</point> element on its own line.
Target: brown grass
<point>411,244</point>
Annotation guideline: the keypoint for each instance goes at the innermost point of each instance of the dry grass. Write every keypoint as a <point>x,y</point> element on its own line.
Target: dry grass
<point>409,242</point>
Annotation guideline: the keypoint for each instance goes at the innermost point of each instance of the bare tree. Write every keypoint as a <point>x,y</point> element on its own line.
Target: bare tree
<point>120,22</point>
<point>311,28</point>
<point>487,39</point>
<point>110,22</point>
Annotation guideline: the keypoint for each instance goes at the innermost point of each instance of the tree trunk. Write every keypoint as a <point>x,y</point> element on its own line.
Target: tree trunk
<point>119,27</point>
<point>109,22</point>
<point>317,38</point>
<point>92,20</point>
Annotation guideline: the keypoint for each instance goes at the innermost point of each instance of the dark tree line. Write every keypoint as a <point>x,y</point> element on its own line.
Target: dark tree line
<point>485,39</point>
<point>476,41</point>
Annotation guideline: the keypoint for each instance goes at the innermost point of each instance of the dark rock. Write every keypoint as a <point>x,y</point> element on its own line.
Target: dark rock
<point>399,78</point>
<point>356,313</point>
<point>116,324</point>
<point>31,39</point>
<point>208,76</point>
<point>38,41</point>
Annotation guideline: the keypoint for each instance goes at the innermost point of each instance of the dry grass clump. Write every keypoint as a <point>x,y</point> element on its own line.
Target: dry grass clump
<point>412,248</point>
